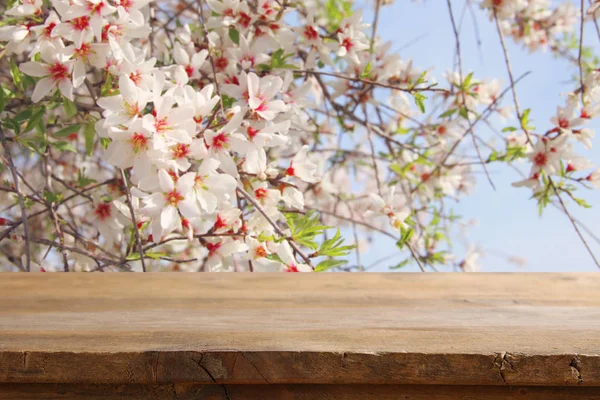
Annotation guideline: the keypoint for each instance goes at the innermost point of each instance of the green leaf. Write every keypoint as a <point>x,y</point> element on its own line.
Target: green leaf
<point>107,86</point>
<point>82,179</point>
<point>68,130</point>
<point>439,257</point>
<point>277,54</point>
<point>2,100</point>
<point>23,115</point>
<point>265,238</point>
<point>439,236</point>
<point>288,66</point>
<point>467,80</point>
<point>52,197</point>
<point>512,153</point>
<point>264,67</point>
<point>402,130</point>
<point>436,218</point>
<point>448,113</point>
<point>543,196</point>
<point>89,134</point>
<point>28,202</point>
<point>12,125</point>
<point>70,108</point>
<point>397,169</point>
<point>11,3</point>
<point>582,202</point>
<point>333,247</point>
<point>228,101</point>
<point>328,264</point>
<point>405,235</point>
<point>155,256</point>
<point>336,11</point>
<point>278,60</point>
<point>305,228</point>
<point>36,120</point>
<point>493,156</point>
<point>15,73</point>
<point>27,81</point>
<point>420,79</point>
<point>401,264</point>
<point>367,72</point>
<point>509,129</point>
<point>274,257</point>
<point>419,101</point>
<point>525,117</point>
<point>63,146</point>
<point>35,143</point>
<point>515,152</point>
<point>133,257</point>
<point>234,35</point>
<point>104,142</point>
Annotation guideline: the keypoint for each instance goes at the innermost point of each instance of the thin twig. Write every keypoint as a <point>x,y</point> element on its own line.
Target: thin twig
<point>361,223</point>
<point>462,92</point>
<point>416,258</point>
<point>510,77</point>
<point>372,147</point>
<point>53,207</point>
<point>6,232</point>
<point>185,238</point>
<point>580,52</point>
<point>13,170</point>
<point>374,83</point>
<point>375,20</point>
<point>568,214</point>
<point>481,116</point>
<point>73,249</point>
<point>133,220</point>
<point>210,56</point>
<point>256,205</point>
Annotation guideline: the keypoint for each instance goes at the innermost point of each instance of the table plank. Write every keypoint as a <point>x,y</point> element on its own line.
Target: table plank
<point>185,391</point>
<point>409,329</point>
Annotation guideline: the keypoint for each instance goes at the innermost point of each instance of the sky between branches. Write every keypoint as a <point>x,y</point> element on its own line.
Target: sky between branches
<point>507,223</point>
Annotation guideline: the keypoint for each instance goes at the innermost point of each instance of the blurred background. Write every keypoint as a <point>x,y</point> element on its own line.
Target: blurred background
<point>506,226</point>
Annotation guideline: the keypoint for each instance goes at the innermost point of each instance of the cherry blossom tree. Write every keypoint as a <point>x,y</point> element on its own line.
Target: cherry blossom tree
<point>265,135</point>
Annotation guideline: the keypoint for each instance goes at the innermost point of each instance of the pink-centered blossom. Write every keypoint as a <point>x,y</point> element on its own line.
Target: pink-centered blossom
<point>55,70</point>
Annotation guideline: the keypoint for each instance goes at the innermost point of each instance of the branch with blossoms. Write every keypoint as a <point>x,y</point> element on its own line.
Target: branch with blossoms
<point>256,135</point>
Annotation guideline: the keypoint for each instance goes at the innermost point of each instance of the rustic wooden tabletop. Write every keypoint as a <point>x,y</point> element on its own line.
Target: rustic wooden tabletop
<point>271,336</point>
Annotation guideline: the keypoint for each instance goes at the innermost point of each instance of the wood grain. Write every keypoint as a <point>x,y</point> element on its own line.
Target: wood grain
<point>185,391</point>
<point>239,329</point>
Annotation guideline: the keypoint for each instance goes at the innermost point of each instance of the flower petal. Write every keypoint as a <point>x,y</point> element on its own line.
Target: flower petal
<point>33,68</point>
<point>43,87</point>
<point>66,88</point>
<point>189,208</point>
<point>168,217</point>
<point>165,181</point>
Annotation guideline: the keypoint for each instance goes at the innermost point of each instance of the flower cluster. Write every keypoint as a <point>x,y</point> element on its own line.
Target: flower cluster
<point>230,135</point>
<point>534,23</point>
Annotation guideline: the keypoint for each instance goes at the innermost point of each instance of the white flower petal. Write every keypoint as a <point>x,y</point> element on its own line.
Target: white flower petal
<point>165,181</point>
<point>168,217</point>
<point>189,208</point>
<point>66,88</point>
<point>186,182</point>
<point>33,68</point>
<point>43,87</point>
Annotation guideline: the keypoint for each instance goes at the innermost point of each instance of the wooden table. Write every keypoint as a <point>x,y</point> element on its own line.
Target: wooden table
<point>299,336</point>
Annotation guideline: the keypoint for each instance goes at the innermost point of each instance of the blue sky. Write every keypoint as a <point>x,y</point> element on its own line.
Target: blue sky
<point>508,221</point>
